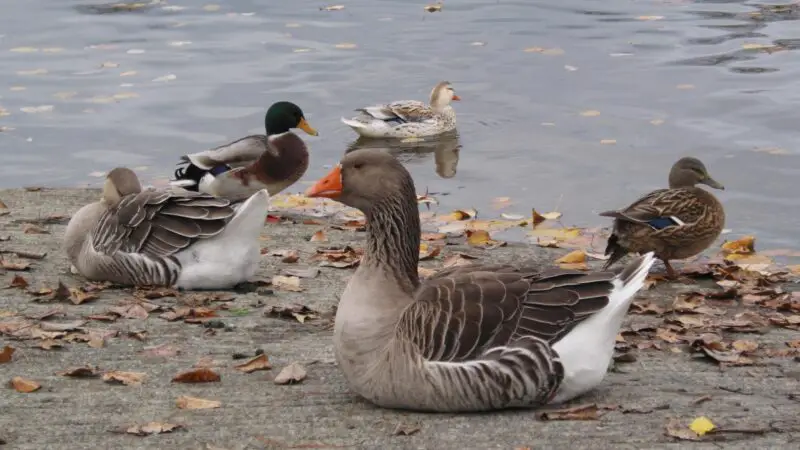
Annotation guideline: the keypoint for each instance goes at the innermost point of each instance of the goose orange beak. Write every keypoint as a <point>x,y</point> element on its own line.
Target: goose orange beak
<point>456,98</point>
<point>330,186</point>
<point>303,125</point>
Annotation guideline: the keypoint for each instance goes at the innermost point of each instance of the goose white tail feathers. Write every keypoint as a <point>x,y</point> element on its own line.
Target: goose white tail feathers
<point>182,183</point>
<point>587,350</point>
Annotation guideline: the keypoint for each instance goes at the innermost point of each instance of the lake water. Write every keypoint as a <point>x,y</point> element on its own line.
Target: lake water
<point>577,105</point>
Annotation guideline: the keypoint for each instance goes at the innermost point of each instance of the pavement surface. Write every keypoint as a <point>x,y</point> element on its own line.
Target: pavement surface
<point>758,402</point>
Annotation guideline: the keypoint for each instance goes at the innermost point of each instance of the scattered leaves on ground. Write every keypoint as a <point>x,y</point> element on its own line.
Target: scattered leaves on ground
<point>24,385</point>
<point>79,372</point>
<point>126,378</point>
<point>202,375</point>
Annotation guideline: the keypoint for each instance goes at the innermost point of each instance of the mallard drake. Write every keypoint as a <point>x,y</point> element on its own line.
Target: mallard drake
<point>469,338</point>
<point>408,118</point>
<point>674,223</point>
<point>241,168</point>
<point>172,237</point>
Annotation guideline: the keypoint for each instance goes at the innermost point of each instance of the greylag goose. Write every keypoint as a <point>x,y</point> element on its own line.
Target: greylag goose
<point>674,223</point>
<point>469,338</point>
<point>173,237</point>
<point>408,118</point>
<point>237,170</point>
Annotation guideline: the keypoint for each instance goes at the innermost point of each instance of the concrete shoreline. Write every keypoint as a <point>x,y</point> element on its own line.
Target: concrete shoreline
<point>642,396</point>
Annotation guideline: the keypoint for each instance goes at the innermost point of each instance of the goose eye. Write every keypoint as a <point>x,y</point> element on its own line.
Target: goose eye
<point>358,165</point>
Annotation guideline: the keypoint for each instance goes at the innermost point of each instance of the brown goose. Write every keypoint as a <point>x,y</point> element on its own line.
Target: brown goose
<point>470,338</point>
<point>674,223</point>
<point>174,237</point>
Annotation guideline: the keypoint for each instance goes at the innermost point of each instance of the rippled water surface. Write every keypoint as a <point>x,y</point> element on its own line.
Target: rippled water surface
<point>607,96</point>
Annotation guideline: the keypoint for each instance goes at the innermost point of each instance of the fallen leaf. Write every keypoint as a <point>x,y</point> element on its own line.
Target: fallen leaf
<point>78,296</point>
<point>310,272</point>
<point>608,141</point>
<point>5,355</point>
<point>203,375</point>
<point>427,252</point>
<point>433,8</point>
<point>186,402</point>
<point>347,45</point>
<point>291,284</point>
<point>30,228</point>
<point>319,236</point>
<point>743,246</point>
<point>14,266</point>
<point>152,428</point>
<point>638,307</point>
<point>403,429</point>
<point>436,237</point>
<point>701,425</point>
<point>291,374</point>
<point>590,113</point>
<point>49,344</point>
<point>79,372</point>
<point>260,362</point>
<point>744,346</point>
<point>63,326</point>
<point>155,293</point>
<point>676,429</point>
<point>160,351</point>
<point>25,385</point>
<point>292,311</point>
<point>575,257</point>
<point>332,8</point>
<point>18,282</point>
<point>126,378</point>
<point>132,311</point>
<point>583,412</point>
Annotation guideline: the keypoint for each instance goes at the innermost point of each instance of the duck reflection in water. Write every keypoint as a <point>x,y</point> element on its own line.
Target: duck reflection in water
<point>445,149</point>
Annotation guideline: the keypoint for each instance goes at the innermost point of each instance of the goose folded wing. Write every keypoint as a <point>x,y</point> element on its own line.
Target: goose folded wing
<point>660,209</point>
<point>160,223</point>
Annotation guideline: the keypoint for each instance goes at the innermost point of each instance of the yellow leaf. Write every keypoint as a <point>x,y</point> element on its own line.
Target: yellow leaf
<point>25,385</point>
<point>211,7</point>
<point>752,46</point>
<point>590,113</point>
<point>433,8</point>
<point>575,257</point>
<point>743,246</point>
<point>701,425</point>
<point>333,8</point>
<point>555,215</point>
<point>24,49</point>
<point>478,237</point>
<point>346,45</point>
<point>557,233</point>
<point>32,72</point>
<point>794,268</point>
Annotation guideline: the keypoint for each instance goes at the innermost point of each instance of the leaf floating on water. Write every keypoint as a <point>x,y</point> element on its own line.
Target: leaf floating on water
<point>25,385</point>
<point>37,109</point>
<point>649,17</point>
<point>684,86</point>
<point>544,51</point>
<point>590,113</point>
<point>186,402</point>
<point>772,150</point>
<point>24,49</point>
<point>168,77</point>
<point>346,45</point>
<point>301,50</point>
<point>32,72</point>
<point>608,141</point>
<point>332,8</point>
<point>211,8</point>
<point>657,121</point>
<point>433,7</point>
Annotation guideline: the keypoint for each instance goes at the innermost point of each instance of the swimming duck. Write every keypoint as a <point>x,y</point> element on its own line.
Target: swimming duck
<point>469,338</point>
<point>241,168</point>
<point>173,237</point>
<point>408,118</point>
<point>674,223</point>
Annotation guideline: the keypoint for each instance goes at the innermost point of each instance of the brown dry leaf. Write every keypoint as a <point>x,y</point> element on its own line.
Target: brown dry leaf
<point>427,252</point>
<point>591,411</point>
<point>291,284</point>
<point>49,344</point>
<point>458,259</point>
<point>536,218</point>
<point>16,266</point>
<point>288,256</point>
<point>319,236</point>
<point>403,429</point>
<point>668,336</point>
<point>78,296</point>
<point>291,374</point>
<point>793,344</point>
<point>676,429</point>
<point>152,428</point>
<point>186,402</point>
<point>203,375</point>
<point>742,246</point>
<point>433,236</point>
<point>293,311</point>
<point>18,282</point>
<point>260,362</point>
<point>745,346</point>
<point>155,293</point>
<point>79,372</point>
<point>160,351</point>
<point>25,385</point>
<point>63,326</point>
<point>639,307</point>
<point>30,228</point>
<point>433,8</point>
<point>131,311</point>
<point>459,214</point>
<point>61,293</point>
<point>126,378</point>
<point>6,354</point>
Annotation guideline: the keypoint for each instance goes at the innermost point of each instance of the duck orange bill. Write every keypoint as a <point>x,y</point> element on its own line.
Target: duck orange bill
<point>303,125</point>
<point>456,98</point>
<point>330,186</point>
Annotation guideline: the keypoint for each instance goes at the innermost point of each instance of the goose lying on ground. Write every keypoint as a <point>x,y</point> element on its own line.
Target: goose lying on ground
<point>469,338</point>
<point>172,237</point>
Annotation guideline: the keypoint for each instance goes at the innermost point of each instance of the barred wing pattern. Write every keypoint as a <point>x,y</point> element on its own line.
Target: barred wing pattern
<point>487,331</point>
<point>141,235</point>
<point>663,203</point>
<point>405,111</point>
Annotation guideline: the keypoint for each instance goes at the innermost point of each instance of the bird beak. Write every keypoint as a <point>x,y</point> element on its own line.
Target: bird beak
<point>303,125</point>
<point>330,186</point>
<point>713,183</point>
<point>456,98</point>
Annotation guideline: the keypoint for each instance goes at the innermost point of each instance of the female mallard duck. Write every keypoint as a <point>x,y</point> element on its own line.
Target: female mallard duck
<point>238,170</point>
<point>469,338</point>
<point>674,223</point>
<point>408,118</point>
<point>171,237</point>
